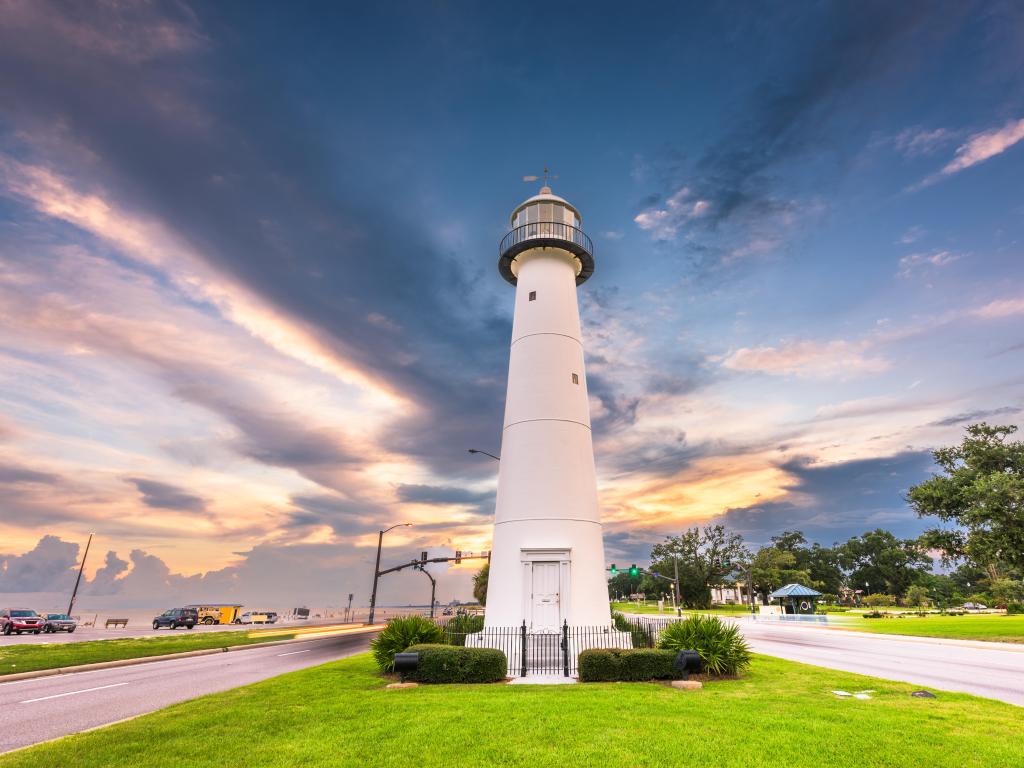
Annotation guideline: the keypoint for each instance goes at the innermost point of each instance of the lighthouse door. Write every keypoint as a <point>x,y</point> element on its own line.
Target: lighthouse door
<point>546,598</point>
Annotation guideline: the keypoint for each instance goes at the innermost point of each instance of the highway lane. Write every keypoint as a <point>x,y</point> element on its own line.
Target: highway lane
<point>993,670</point>
<point>44,708</point>
<point>83,634</point>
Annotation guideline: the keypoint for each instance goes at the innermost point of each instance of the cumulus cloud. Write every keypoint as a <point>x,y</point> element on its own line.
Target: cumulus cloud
<point>664,223</point>
<point>49,566</point>
<point>832,502</point>
<point>812,359</point>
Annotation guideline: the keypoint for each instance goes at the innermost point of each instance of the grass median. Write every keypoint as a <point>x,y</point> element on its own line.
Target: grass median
<point>780,714</point>
<point>32,657</point>
<point>979,626</point>
<point>992,627</point>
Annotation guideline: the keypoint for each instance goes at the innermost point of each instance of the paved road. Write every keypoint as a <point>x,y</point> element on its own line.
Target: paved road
<point>993,670</point>
<point>45,708</point>
<point>143,630</point>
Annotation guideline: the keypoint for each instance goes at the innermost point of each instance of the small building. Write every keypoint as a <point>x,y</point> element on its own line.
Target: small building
<point>795,598</point>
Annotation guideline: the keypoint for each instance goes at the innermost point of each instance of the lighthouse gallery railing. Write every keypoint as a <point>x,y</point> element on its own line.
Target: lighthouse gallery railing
<point>546,230</point>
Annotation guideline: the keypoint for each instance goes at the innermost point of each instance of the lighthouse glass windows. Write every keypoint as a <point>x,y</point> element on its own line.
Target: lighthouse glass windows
<point>546,219</point>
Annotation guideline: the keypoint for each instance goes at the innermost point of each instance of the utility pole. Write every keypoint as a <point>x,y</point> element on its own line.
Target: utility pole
<point>433,588</point>
<point>679,595</point>
<point>78,581</point>
<point>376,568</point>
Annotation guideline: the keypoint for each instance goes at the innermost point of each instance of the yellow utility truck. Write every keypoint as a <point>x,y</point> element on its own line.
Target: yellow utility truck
<point>217,613</point>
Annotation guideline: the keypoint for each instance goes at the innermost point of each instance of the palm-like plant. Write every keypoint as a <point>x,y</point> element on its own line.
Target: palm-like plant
<point>721,646</point>
<point>399,634</point>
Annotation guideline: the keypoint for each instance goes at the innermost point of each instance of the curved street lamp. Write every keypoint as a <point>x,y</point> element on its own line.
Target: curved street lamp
<point>376,567</point>
<point>485,453</point>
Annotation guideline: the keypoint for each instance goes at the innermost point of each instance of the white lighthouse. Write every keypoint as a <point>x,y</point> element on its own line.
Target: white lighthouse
<point>547,559</point>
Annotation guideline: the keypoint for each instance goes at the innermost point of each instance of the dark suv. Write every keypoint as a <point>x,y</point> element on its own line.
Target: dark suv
<point>177,617</point>
<point>20,620</point>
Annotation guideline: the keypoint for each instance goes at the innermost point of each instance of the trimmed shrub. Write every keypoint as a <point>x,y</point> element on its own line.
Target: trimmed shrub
<point>608,665</point>
<point>1014,609</point>
<point>874,615</point>
<point>399,634</point>
<point>721,646</point>
<point>877,599</point>
<point>455,631</point>
<point>458,664</point>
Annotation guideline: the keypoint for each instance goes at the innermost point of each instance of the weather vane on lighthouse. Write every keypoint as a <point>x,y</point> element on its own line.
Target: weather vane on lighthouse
<point>547,178</point>
<point>547,560</point>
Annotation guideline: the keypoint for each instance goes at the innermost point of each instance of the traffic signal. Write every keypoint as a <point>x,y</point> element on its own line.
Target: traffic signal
<point>614,570</point>
<point>458,556</point>
<point>423,558</point>
<point>633,570</point>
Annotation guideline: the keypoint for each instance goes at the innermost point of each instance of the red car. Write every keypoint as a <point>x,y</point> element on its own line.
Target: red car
<point>20,620</point>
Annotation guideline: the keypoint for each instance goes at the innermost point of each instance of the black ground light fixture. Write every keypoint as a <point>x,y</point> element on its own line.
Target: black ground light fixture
<point>687,662</point>
<point>406,664</point>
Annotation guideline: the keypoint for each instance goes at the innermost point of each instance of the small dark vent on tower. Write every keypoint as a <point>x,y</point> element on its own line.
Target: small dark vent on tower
<point>533,295</point>
<point>575,378</point>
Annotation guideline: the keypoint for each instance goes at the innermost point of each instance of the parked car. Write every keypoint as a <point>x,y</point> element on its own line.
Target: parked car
<point>177,617</point>
<point>974,606</point>
<point>59,622</point>
<point>20,620</point>
<point>257,617</point>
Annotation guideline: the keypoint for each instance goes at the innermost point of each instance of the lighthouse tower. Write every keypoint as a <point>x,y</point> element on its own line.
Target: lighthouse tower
<point>547,558</point>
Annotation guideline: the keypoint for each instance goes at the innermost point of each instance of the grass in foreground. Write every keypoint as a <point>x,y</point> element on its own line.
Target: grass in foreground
<point>781,714</point>
<point>28,658</point>
<point>993,627</point>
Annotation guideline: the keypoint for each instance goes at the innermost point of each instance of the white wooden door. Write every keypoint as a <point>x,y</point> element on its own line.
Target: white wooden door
<point>546,598</point>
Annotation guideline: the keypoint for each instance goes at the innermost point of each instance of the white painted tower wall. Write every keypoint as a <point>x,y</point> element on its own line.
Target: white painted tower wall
<point>547,559</point>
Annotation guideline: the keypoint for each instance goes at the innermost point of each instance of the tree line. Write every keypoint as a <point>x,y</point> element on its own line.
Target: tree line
<point>977,499</point>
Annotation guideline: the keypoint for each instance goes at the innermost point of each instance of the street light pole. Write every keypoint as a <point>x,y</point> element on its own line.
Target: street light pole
<point>678,595</point>
<point>78,581</point>
<point>376,568</point>
<point>485,453</point>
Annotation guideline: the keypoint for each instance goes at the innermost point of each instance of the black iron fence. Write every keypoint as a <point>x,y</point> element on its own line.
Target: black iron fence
<point>554,652</point>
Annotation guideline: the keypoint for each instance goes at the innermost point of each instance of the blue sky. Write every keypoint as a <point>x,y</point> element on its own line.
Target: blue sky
<point>249,308</point>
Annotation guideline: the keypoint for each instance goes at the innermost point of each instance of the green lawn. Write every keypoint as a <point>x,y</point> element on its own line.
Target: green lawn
<point>1006,629</point>
<point>992,627</point>
<point>27,658</point>
<point>781,714</point>
<point>724,610</point>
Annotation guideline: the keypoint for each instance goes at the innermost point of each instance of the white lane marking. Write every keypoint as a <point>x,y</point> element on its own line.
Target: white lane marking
<point>72,693</point>
<point>292,653</point>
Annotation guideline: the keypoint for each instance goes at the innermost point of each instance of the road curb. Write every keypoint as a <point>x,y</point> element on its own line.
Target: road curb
<point>165,657</point>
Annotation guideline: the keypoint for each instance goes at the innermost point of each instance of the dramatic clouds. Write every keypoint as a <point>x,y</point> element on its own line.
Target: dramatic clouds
<point>249,311</point>
<point>984,145</point>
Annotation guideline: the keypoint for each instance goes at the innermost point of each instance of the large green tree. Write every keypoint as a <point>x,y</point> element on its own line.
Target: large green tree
<point>772,568</point>
<point>880,563</point>
<point>705,556</point>
<point>980,497</point>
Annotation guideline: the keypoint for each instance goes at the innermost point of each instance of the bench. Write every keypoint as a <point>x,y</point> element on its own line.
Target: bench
<point>116,623</point>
